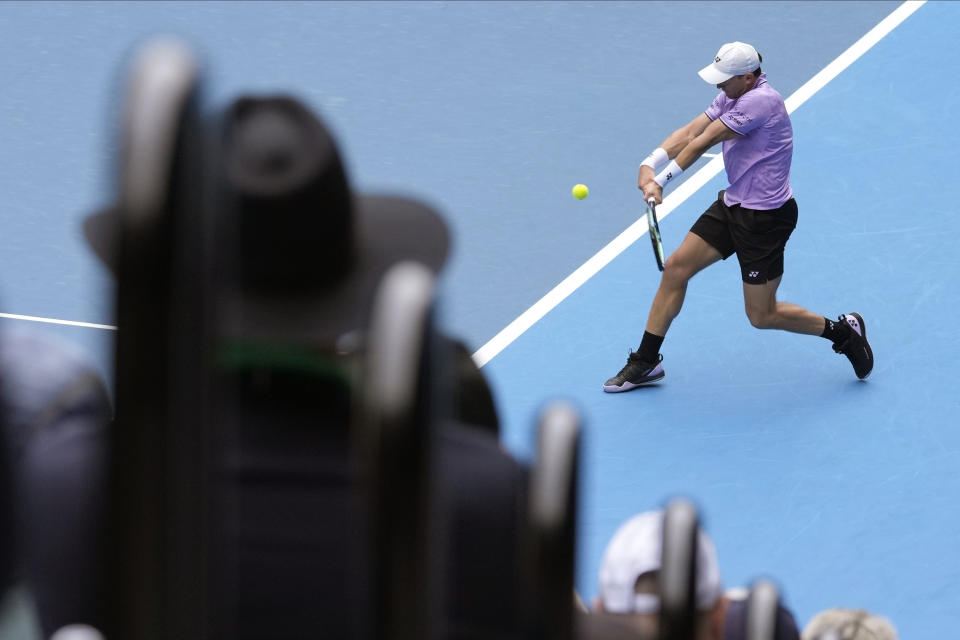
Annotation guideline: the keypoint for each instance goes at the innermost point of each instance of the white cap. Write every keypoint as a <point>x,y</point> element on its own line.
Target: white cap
<point>733,59</point>
<point>77,632</point>
<point>636,549</point>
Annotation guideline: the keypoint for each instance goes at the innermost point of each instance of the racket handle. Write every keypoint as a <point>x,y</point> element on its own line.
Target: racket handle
<point>652,202</point>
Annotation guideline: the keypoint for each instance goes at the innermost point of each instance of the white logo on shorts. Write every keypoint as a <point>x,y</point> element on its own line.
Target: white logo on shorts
<point>753,274</point>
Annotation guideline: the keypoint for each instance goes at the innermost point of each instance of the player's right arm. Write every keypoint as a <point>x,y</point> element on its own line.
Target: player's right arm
<point>674,144</point>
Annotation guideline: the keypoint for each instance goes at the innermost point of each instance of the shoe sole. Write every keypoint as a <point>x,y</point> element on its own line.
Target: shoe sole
<point>627,386</point>
<point>863,329</point>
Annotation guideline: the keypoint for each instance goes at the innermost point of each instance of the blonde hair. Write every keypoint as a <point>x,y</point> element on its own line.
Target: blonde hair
<point>850,624</point>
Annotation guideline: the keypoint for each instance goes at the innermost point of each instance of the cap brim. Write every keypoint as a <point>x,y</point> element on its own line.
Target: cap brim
<point>712,75</point>
<point>392,229</point>
<point>389,230</point>
<point>100,229</point>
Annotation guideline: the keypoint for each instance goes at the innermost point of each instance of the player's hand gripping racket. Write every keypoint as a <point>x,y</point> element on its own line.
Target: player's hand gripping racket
<point>655,232</point>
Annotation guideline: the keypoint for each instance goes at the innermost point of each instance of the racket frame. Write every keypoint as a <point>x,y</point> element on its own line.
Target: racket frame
<point>655,238</point>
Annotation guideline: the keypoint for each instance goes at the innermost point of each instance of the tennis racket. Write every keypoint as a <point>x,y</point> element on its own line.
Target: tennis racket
<point>655,238</point>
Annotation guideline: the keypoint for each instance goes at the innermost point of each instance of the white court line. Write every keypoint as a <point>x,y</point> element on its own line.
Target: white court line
<point>72,323</point>
<point>587,270</point>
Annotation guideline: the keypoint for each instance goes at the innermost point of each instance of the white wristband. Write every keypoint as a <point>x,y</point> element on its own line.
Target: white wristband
<point>657,158</point>
<point>672,171</point>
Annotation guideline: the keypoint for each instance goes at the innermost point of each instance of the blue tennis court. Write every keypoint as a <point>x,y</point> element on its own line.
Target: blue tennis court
<point>841,490</point>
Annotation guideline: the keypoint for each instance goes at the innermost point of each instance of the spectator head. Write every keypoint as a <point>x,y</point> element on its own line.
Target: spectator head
<point>630,577</point>
<point>849,624</point>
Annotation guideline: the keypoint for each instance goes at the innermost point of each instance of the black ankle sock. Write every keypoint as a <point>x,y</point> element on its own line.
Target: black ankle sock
<point>834,330</point>
<point>650,347</point>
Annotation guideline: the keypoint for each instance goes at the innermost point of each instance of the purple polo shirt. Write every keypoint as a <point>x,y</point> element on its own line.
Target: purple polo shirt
<point>758,160</point>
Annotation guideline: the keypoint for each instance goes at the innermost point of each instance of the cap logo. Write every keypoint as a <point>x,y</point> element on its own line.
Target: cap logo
<point>717,59</point>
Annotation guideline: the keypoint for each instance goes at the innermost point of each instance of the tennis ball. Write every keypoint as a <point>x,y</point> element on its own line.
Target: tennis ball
<point>580,191</point>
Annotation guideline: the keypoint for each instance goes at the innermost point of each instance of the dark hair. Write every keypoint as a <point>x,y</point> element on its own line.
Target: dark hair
<point>757,71</point>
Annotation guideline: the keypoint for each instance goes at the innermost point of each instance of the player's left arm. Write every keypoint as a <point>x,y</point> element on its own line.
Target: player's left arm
<point>715,132</point>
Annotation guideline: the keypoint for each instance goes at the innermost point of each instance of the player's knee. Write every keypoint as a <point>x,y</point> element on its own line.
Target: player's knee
<point>761,318</point>
<point>675,270</point>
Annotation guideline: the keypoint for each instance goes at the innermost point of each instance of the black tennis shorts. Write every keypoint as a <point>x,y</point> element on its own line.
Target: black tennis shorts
<point>758,237</point>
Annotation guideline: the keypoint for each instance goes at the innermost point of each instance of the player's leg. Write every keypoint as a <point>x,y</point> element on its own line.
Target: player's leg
<point>766,312</point>
<point>760,238</point>
<point>692,256</point>
<point>848,334</point>
<point>708,241</point>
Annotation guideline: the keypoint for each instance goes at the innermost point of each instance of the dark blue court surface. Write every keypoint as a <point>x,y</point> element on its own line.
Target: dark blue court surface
<point>841,490</point>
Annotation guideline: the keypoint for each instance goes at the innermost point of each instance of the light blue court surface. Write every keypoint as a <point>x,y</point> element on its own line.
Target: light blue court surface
<point>843,491</point>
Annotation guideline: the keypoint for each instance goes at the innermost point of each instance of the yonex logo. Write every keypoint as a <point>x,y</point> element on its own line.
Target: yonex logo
<point>717,59</point>
<point>753,274</point>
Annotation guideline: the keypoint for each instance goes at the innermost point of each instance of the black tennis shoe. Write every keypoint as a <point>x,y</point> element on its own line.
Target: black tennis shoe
<point>636,373</point>
<point>855,346</point>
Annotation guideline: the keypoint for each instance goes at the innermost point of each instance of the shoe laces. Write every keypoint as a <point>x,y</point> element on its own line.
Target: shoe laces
<point>841,347</point>
<point>626,366</point>
<point>633,359</point>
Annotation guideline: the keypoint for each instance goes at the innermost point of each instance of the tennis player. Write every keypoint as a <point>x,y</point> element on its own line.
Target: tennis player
<point>752,218</point>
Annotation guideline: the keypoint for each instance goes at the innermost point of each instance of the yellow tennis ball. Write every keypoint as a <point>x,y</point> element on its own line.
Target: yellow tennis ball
<point>580,191</point>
